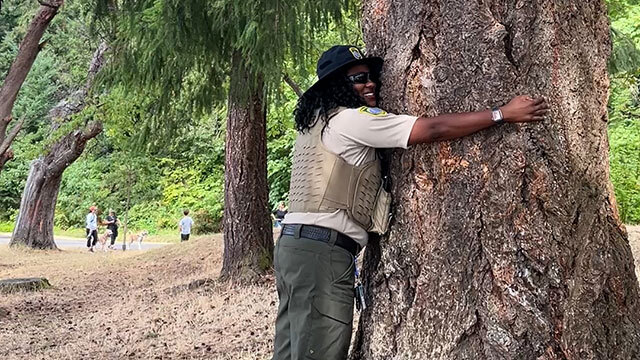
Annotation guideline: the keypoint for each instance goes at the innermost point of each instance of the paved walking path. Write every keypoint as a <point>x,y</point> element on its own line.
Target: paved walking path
<point>68,242</point>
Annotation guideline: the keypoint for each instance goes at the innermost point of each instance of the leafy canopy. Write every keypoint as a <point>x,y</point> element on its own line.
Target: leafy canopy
<point>183,48</point>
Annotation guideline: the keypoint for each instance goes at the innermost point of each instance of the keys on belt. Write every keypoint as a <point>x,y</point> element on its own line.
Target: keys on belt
<point>323,234</point>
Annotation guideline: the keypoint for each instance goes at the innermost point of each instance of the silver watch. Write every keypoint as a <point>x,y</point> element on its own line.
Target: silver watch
<point>496,115</point>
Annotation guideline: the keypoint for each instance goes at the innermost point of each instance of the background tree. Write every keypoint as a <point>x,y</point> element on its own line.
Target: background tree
<point>506,244</point>
<point>27,53</point>
<point>34,225</point>
<point>59,69</point>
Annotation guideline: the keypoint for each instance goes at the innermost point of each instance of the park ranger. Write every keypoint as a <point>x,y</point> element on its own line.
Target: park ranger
<point>337,194</point>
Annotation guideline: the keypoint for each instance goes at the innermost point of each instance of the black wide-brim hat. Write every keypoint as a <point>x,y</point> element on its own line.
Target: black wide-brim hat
<point>339,57</point>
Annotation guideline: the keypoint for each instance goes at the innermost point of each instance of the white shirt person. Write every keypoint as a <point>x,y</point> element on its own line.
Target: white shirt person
<point>185,224</point>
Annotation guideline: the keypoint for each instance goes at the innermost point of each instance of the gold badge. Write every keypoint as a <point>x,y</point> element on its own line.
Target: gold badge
<point>355,52</point>
<point>372,111</point>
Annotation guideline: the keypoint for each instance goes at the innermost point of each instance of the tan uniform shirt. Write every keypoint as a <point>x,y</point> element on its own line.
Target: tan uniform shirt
<point>354,135</point>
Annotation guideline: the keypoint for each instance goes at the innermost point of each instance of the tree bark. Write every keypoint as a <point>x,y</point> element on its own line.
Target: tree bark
<point>248,242</point>
<point>27,53</point>
<point>294,86</point>
<point>506,244</point>
<point>34,224</point>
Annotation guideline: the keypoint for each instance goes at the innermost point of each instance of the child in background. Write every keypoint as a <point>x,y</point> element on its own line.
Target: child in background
<point>185,226</point>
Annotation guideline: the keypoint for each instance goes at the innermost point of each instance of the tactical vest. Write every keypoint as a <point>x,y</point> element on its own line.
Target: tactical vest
<point>322,182</point>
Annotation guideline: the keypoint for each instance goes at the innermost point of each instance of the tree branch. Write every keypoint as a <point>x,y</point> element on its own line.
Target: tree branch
<point>4,123</point>
<point>75,142</point>
<point>294,86</point>
<point>4,146</point>
<point>42,45</point>
<point>5,157</point>
<point>53,6</point>
<point>68,148</point>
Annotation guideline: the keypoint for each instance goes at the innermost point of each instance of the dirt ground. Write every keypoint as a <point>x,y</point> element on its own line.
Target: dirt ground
<point>134,305</point>
<point>139,305</point>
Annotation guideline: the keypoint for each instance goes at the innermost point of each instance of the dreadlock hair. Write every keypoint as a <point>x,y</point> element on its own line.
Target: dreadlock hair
<point>336,90</point>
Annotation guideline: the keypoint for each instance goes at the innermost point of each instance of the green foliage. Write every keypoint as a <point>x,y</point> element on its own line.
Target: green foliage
<point>620,8</point>
<point>625,56</point>
<point>155,182</point>
<point>625,34</point>
<point>625,170</point>
<point>6,227</point>
<point>37,94</point>
<point>14,175</point>
<point>9,16</point>
<point>59,69</point>
<point>281,136</point>
<point>624,108</point>
<point>624,140</point>
<point>14,18</point>
<point>182,50</point>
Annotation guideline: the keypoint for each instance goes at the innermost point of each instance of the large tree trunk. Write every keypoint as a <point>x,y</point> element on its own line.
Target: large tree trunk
<point>34,225</point>
<point>27,53</point>
<point>505,244</point>
<point>248,242</point>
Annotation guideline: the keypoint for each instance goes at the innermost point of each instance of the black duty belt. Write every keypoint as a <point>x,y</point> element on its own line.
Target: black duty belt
<point>322,234</point>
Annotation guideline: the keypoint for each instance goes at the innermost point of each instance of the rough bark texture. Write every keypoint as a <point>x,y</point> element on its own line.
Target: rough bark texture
<point>34,225</point>
<point>27,53</point>
<point>248,242</point>
<point>505,244</point>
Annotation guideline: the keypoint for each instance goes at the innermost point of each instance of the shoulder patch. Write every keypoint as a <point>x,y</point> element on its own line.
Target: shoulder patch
<point>372,111</point>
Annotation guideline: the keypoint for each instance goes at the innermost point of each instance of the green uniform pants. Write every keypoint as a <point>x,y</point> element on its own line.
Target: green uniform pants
<point>315,286</point>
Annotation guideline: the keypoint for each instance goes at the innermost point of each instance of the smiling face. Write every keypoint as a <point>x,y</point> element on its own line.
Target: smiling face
<point>362,83</point>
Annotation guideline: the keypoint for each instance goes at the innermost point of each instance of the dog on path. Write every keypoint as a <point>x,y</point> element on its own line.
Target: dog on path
<point>103,239</point>
<point>139,237</point>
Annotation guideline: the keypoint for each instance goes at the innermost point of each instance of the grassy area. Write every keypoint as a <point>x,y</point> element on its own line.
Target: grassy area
<point>6,227</point>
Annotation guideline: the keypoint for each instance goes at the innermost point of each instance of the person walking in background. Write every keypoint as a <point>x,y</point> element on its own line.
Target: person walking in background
<point>278,215</point>
<point>112,224</point>
<point>92,227</point>
<point>185,226</point>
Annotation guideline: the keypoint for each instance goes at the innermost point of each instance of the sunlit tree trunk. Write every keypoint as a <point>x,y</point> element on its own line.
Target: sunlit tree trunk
<point>248,242</point>
<point>505,244</point>
<point>27,53</point>
<point>34,224</point>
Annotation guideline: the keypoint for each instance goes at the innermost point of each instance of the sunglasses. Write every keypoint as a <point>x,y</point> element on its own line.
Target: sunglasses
<point>360,78</point>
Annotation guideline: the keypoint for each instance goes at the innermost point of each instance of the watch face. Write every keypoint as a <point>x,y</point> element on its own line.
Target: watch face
<point>496,116</point>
